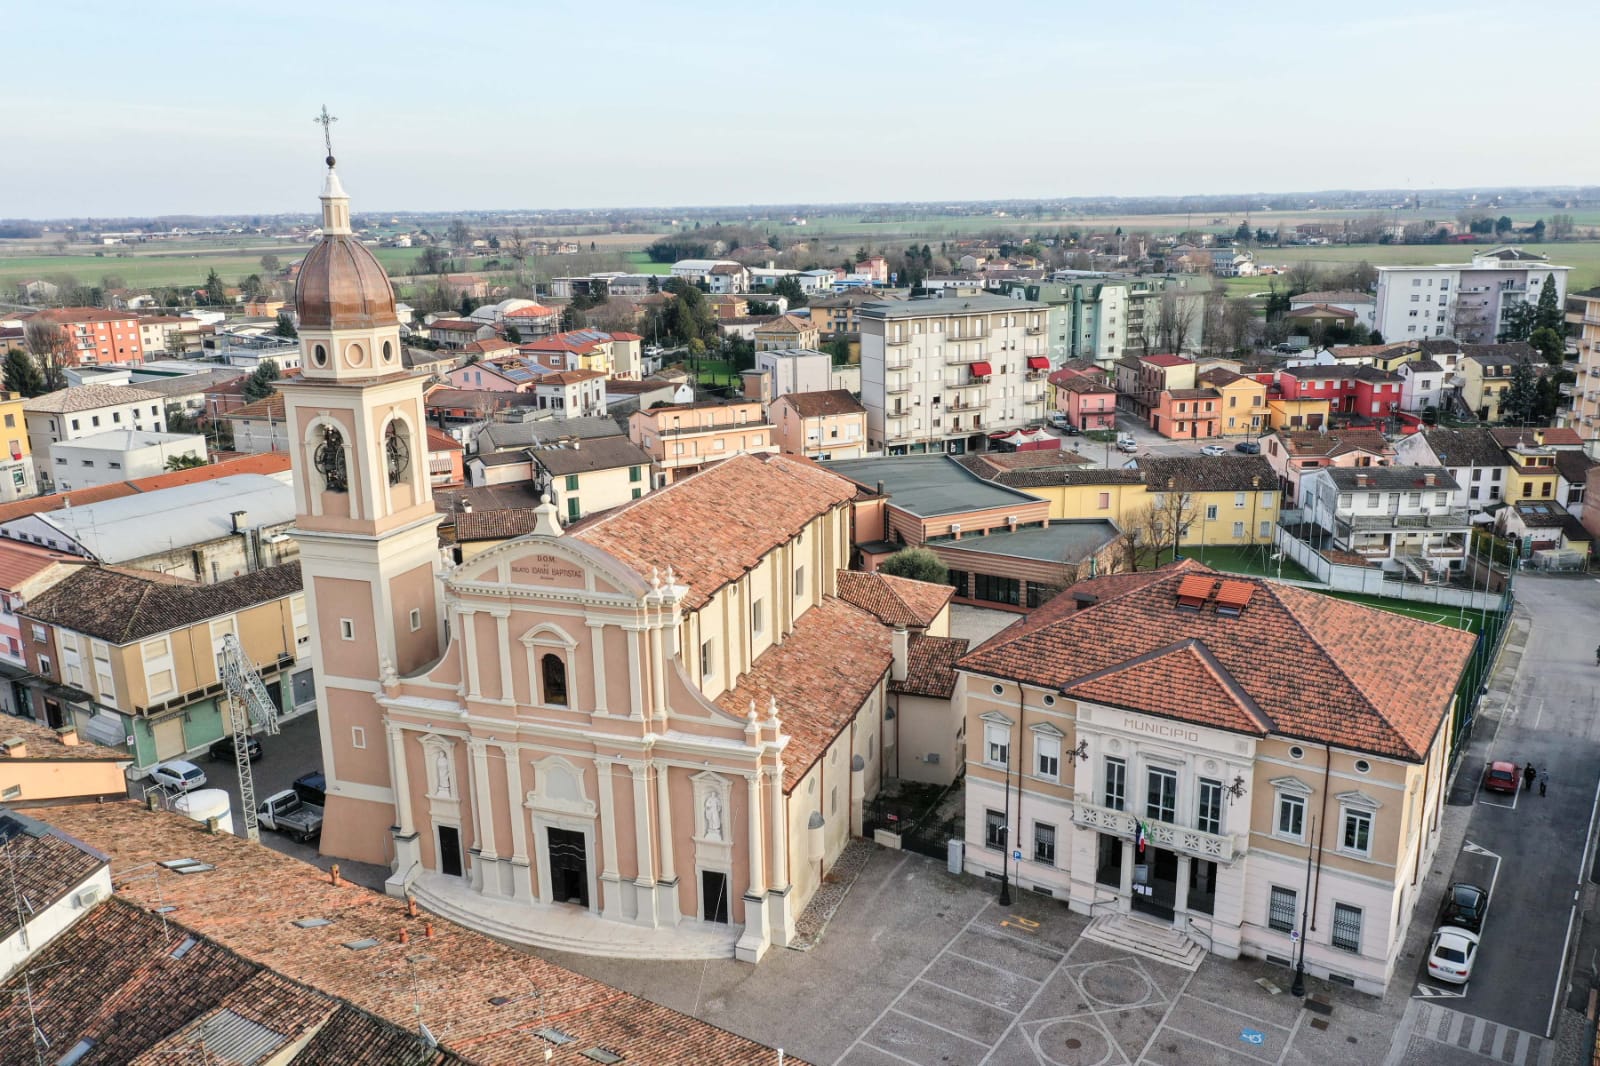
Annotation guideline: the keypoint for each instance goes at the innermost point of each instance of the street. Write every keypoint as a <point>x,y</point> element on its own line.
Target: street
<point>1528,850</point>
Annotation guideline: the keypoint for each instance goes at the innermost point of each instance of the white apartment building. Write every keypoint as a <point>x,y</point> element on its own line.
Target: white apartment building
<point>1583,319</point>
<point>85,410</point>
<point>119,455</point>
<point>571,393</point>
<point>1466,301</point>
<point>1402,518</point>
<point>941,375</point>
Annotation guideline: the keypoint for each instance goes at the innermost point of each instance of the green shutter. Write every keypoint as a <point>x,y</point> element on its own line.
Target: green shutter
<point>572,509</point>
<point>634,473</point>
<point>572,482</point>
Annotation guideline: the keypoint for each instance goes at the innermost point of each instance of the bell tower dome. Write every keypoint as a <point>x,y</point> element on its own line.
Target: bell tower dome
<point>365,523</point>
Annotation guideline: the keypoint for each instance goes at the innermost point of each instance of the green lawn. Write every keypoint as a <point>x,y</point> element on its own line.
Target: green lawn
<point>639,263</point>
<point>1440,614</point>
<point>1254,561</point>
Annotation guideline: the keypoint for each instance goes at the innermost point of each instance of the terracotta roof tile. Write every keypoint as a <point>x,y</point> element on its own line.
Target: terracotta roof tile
<point>42,744</point>
<point>827,402</point>
<point>1315,667</point>
<point>1221,473</point>
<point>931,666</point>
<point>270,406</point>
<point>43,865</point>
<point>119,607</point>
<point>820,675</point>
<point>495,525</point>
<point>247,905</point>
<point>713,526</point>
<point>894,601</point>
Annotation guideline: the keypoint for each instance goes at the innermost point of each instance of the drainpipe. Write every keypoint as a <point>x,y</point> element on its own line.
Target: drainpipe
<point>1416,869</point>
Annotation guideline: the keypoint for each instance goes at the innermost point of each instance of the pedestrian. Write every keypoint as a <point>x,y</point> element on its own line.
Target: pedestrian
<point>1527,778</point>
<point>1544,781</point>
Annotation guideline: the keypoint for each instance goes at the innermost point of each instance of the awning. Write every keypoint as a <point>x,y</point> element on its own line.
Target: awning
<point>981,370</point>
<point>1038,362</point>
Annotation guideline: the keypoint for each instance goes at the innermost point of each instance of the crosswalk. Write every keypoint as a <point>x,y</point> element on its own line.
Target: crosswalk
<point>1435,1024</point>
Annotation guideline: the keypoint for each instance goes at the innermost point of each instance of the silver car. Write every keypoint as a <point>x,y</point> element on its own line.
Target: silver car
<point>179,775</point>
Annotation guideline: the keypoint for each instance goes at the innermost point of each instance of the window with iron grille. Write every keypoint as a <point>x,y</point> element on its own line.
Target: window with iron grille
<point>1347,927</point>
<point>1044,843</point>
<point>994,830</point>
<point>1280,909</point>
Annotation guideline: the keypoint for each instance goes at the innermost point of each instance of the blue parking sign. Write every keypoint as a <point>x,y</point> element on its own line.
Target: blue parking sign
<point>1252,1036</point>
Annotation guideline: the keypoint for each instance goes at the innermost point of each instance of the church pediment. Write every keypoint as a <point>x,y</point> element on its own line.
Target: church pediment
<point>556,563</point>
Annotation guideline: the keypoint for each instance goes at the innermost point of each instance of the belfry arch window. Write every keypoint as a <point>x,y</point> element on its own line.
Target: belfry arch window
<point>397,451</point>
<point>553,679</point>
<point>330,461</point>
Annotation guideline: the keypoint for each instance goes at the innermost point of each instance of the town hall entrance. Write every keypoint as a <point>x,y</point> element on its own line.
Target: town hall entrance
<point>569,867</point>
<point>1155,882</point>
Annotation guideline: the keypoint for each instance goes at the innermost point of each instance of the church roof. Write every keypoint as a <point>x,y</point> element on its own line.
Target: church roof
<point>341,285</point>
<point>712,527</point>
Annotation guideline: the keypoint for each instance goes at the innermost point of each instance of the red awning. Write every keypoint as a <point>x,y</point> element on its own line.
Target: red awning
<point>981,370</point>
<point>1038,362</point>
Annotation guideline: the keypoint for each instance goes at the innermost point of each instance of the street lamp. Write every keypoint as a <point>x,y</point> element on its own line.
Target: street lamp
<point>1298,988</point>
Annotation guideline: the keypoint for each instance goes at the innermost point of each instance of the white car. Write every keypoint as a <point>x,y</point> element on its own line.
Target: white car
<point>179,775</point>
<point>1213,450</point>
<point>1451,953</point>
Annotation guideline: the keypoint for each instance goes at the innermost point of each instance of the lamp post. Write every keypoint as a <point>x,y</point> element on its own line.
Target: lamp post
<point>1298,988</point>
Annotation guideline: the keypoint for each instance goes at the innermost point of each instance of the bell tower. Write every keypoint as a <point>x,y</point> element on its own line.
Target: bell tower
<point>365,521</point>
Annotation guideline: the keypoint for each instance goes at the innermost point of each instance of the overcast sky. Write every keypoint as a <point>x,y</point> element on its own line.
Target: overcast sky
<point>206,108</point>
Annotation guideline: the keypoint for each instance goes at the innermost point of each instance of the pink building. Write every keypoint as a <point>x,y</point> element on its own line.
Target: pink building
<point>649,733</point>
<point>1087,402</point>
<point>506,375</point>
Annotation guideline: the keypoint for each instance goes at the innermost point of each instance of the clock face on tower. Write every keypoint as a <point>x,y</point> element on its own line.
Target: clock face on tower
<point>330,462</point>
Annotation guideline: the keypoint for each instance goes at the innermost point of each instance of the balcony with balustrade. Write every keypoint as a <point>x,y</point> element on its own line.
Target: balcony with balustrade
<point>1182,840</point>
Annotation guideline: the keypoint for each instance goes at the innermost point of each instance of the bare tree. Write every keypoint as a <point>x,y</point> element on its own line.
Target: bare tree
<point>517,248</point>
<point>51,349</point>
<point>1238,325</point>
<point>1166,519</point>
<point>1174,322</point>
<point>1303,277</point>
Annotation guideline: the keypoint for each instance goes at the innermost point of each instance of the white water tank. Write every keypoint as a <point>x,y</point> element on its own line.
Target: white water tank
<point>207,803</point>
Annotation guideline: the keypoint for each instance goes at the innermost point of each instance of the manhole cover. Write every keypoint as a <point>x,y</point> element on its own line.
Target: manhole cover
<point>1074,1043</point>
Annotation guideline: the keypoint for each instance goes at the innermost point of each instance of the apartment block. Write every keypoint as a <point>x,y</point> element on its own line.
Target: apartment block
<point>941,375</point>
<point>1583,321</point>
<point>1467,301</point>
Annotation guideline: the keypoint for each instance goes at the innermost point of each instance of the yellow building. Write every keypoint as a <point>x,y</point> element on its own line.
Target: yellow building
<point>38,763</point>
<point>786,331</point>
<point>687,437</point>
<point>1296,414</point>
<point>1231,499</point>
<point>1486,371</point>
<point>1533,473</point>
<point>16,464</point>
<point>1244,402</point>
<point>143,652</point>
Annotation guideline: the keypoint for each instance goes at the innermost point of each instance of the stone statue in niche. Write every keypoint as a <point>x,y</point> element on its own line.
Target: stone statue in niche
<point>713,814</point>
<point>441,775</point>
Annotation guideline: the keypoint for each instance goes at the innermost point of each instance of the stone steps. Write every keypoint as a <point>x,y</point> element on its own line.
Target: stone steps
<point>1153,940</point>
<point>573,930</point>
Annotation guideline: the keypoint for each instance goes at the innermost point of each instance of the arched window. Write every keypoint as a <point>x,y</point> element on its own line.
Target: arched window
<point>553,679</point>
<point>397,451</point>
<point>329,461</point>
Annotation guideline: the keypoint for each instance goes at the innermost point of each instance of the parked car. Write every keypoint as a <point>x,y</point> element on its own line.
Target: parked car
<point>1070,430</point>
<point>312,787</point>
<point>1057,419</point>
<point>1127,446</point>
<point>1451,953</point>
<point>1286,348</point>
<point>1464,905</point>
<point>223,749</point>
<point>179,775</point>
<point>1248,447</point>
<point>1502,777</point>
<point>1213,450</point>
<point>285,812</point>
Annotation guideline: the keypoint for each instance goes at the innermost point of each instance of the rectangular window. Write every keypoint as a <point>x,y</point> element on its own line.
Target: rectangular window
<point>994,830</point>
<point>572,482</point>
<point>415,619</point>
<point>1238,530</point>
<point>996,744</point>
<point>635,473</point>
<point>1116,784</point>
<point>996,589</point>
<point>574,511</point>
<point>799,582</point>
<point>1208,811</point>
<point>1347,927</point>
<point>1211,512</point>
<point>1105,501</point>
<point>758,622</point>
<point>358,737</point>
<point>706,659</point>
<point>1357,837</point>
<point>1291,817</point>
<point>347,629</point>
<point>1281,908</point>
<point>1044,843</point>
<point>1047,752</point>
<point>1238,499</point>
<point>1161,794</point>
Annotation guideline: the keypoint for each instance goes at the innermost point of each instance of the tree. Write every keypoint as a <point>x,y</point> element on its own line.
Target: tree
<point>1549,343</point>
<point>1521,398</point>
<point>1561,227</point>
<point>513,334</point>
<point>460,235</point>
<point>1303,277</point>
<point>51,349</point>
<point>1537,232</point>
<point>1503,225</point>
<point>916,564</point>
<point>251,286</point>
<point>839,350</point>
<point>1519,318</point>
<point>285,328</point>
<point>571,318</point>
<point>22,375</point>
<point>517,249</point>
<point>1547,312</point>
<point>1242,234</point>
<point>432,260</point>
<point>760,307</point>
<point>185,462</point>
<point>270,264</point>
<point>258,385</point>
<point>216,294</point>
<point>1166,520</point>
<point>789,288</point>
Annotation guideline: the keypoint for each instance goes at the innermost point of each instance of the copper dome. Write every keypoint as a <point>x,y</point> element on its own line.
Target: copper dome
<point>342,286</point>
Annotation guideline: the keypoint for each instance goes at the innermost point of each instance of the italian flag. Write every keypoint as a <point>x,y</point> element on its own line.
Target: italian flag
<point>1139,835</point>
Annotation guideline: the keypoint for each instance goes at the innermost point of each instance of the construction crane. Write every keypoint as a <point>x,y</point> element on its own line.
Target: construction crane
<point>249,708</point>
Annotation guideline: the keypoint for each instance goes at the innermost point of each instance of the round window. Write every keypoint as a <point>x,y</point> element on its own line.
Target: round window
<point>319,355</point>
<point>355,355</point>
<point>1297,752</point>
<point>1362,766</point>
<point>1049,700</point>
<point>388,352</point>
<point>998,689</point>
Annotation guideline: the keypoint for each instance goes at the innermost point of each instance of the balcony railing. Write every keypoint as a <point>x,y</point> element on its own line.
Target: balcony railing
<point>1210,846</point>
<point>896,361</point>
<point>1454,518</point>
<point>965,405</point>
<point>895,342</point>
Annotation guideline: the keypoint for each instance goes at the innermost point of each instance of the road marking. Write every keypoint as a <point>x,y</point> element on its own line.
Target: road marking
<point>1016,921</point>
<point>1561,971</point>
<point>1476,849</point>
<point>992,966</point>
<point>1435,992</point>
<point>1538,714</point>
<point>942,1029</point>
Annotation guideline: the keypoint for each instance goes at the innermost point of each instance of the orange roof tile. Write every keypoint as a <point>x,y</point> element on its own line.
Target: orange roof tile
<point>269,406</point>
<point>931,667</point>
<point>248,905</point>
<point>713,526</point>
<point>895,601</point>
<point>1315,667</point>
<point>820,675</point>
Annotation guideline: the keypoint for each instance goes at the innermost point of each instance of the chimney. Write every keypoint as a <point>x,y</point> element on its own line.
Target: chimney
<point>1362,481</point>
<point>1430,479</point>
<point>240,520</point>
<point>68,735</point>
<point>902,654</point>
<point>14,747</point>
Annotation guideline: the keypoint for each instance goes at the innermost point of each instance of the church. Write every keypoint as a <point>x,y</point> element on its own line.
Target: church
<point>648,734</point>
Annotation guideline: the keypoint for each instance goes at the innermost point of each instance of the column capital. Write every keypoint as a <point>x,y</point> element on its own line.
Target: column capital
<point>640,769</point>
<point>497,612</point>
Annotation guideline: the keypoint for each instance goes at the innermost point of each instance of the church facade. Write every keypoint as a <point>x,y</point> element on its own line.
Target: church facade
<point>653,730</point>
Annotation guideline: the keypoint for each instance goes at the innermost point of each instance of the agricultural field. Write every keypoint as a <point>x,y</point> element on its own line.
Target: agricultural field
<point>1582,256</point>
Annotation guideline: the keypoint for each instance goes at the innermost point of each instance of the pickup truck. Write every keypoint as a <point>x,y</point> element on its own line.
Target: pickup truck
<point>285,812</point>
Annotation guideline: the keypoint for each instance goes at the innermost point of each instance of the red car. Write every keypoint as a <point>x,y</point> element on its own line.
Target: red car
<point>1502,777</point>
